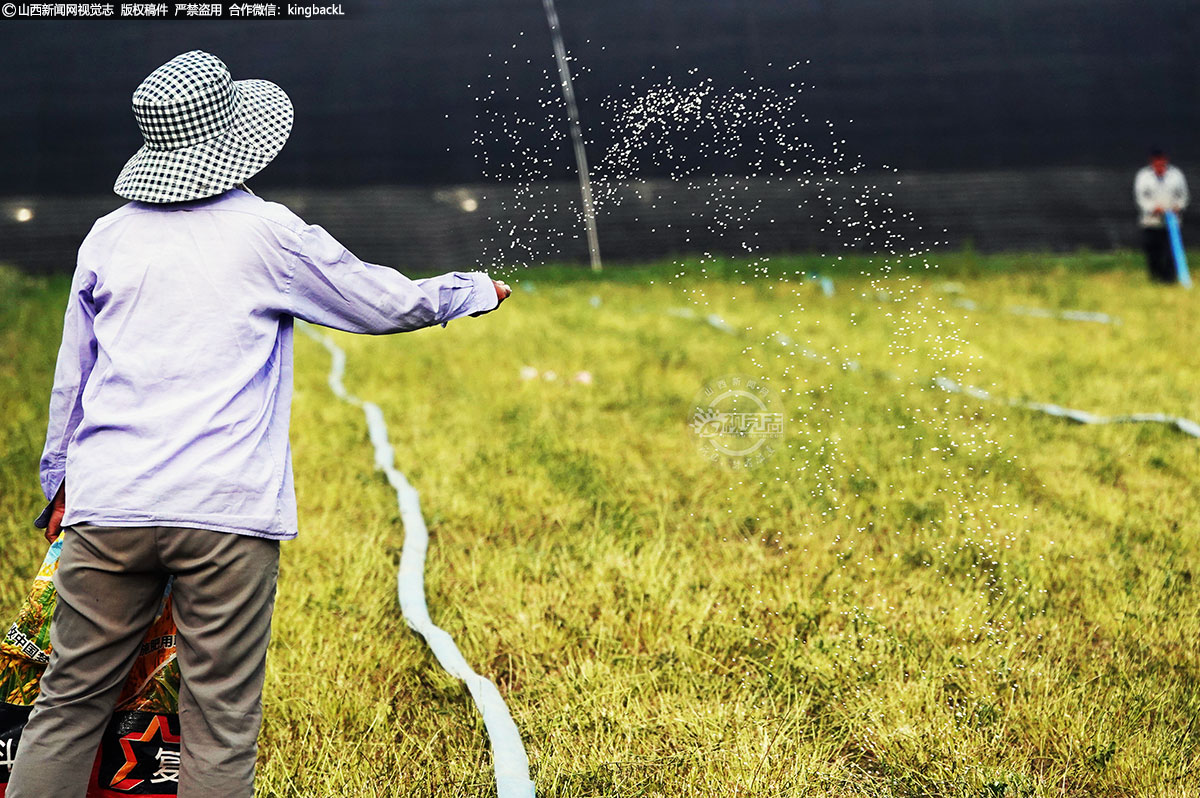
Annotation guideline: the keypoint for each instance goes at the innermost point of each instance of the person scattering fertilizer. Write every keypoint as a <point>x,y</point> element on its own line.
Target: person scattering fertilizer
<point>167,452</point>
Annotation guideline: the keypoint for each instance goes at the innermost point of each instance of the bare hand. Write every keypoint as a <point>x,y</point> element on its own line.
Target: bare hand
<point>502,293</point>
<point>54,528</point>
<point>502,290</point>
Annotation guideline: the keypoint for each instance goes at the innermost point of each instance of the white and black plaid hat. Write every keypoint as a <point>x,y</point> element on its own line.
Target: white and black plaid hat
<point>204,131</point>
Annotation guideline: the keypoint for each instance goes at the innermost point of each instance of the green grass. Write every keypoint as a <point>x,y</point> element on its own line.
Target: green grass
<point>919,595</point>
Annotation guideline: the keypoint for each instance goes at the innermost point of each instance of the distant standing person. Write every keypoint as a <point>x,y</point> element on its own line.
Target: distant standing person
<point>1158,188</point>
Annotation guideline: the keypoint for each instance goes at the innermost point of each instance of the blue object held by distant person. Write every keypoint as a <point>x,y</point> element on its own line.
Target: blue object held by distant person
<point>1181,267</point>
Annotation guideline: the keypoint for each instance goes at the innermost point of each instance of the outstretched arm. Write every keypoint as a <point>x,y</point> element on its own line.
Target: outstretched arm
<point>331,287</point>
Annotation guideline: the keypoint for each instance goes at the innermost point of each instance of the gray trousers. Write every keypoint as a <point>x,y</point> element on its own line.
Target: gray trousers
<point>110,581</point>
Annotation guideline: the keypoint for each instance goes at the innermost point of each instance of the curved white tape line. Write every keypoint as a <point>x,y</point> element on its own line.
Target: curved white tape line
<point>1044,313</point>
<point>1185,425</point>
<point>508,754</point>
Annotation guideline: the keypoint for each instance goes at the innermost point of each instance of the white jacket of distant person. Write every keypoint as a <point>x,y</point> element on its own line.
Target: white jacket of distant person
<point>1169,193</point>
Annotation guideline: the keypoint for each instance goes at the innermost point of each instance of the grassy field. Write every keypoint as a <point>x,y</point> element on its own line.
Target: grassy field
<point>920,594</point>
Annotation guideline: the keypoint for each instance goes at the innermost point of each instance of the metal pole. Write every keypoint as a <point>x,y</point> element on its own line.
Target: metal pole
<point>568,90</point>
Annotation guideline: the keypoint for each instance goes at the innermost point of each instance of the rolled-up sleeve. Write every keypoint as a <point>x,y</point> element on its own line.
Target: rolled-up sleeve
<point>461,293</point>
<point>328,285</point>
<point>76,357</point>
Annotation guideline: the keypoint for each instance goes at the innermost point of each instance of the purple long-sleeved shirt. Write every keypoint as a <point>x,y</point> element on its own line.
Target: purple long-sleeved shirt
<point>173,387</point>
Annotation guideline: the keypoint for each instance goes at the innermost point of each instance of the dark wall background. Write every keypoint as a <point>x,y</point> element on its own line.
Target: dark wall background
<point>382,96</point>
<point>1014,124</point>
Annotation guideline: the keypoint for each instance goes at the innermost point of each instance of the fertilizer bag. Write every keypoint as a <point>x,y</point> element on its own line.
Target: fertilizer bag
<point>139,751</point>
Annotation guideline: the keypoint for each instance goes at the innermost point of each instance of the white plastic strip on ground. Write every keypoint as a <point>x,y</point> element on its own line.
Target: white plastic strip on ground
<point>1017,310</point>
<point>1043,313</point>
<point>1025,310</point>
<point>1184,425</point>
<point>508,754</point>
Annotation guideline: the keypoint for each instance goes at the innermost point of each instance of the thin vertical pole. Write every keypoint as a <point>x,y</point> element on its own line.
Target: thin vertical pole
<point>568,90</point>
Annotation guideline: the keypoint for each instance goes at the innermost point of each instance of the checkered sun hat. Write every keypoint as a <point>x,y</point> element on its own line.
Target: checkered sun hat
<point>204,131</point>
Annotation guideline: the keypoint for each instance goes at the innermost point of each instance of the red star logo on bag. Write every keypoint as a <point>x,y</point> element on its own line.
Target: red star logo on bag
<point>157,725</point>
